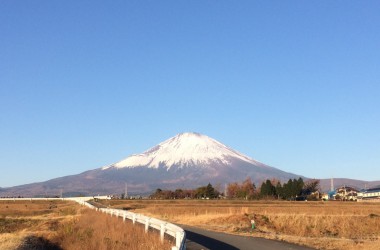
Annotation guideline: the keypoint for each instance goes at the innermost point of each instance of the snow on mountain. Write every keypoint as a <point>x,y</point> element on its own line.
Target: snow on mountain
<point>184,149</point>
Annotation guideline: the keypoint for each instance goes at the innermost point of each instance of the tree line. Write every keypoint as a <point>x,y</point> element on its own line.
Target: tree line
<point>204,192</point>
<point>270,189</point>
<point>274,189</point>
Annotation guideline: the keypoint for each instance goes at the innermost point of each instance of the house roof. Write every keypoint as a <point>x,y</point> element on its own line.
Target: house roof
<point>347,188</point>
<point>371,190</point>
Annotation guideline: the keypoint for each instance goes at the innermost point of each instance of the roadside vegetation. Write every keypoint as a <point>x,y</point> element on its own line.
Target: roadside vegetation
<point>66,225</point>
<point>322,225</point>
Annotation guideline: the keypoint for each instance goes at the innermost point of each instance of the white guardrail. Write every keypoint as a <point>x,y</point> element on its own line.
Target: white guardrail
<point>76,199</point>
<point>164,227</point>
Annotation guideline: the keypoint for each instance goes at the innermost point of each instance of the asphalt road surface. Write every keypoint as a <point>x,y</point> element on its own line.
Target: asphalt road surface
<point>200,239</point>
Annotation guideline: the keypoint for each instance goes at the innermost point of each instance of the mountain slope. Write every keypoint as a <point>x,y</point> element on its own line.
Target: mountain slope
<point>187,160</point>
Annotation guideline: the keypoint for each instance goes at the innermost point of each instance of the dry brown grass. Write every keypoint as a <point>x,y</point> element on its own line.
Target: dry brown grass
<point>67,225</point>
<point>94,230</point>
<point>324,225</point>
<point>11,241</point>
<point>21,219</point>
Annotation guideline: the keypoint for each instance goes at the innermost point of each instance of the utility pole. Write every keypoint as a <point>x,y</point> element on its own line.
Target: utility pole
<point>126,191</point>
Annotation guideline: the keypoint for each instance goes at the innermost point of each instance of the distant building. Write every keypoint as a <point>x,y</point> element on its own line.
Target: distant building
<point>369,194</point>
<point>325,197</point>
<point>346,193</point>
<point>331,194</point>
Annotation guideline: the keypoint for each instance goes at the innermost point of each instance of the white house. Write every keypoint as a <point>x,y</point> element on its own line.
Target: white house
<point>369,194</point>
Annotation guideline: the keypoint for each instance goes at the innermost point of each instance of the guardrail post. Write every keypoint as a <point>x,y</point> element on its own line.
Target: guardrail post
<point>111,213</point>
<point>146,225</point>
<point>124,215</point>
<point>178,239</point>
<point>162,232</point>
<point>134,219</point>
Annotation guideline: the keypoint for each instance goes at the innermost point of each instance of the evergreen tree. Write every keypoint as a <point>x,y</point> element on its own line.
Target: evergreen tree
<point>287,189</point>
<point>267,189</point>
<point>279,190</point>
<point>210,191</point>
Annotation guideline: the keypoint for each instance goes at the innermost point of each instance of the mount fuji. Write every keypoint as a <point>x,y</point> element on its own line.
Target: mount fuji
<point>185,150</point>
<point>187,160</point>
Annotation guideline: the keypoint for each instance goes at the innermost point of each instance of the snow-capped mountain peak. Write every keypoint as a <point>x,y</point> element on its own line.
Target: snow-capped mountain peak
<point>184,149</point>
<point>186,161</point>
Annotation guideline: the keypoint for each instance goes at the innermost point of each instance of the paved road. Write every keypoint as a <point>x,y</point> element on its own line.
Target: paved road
<point>97,204</point>
<point>200,239</point>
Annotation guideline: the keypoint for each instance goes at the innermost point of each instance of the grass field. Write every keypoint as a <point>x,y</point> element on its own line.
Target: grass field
<point>323,225</point>
<point>66,225</point>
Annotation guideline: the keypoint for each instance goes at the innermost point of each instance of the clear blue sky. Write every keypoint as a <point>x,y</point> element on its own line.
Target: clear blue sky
<point>293,84</point>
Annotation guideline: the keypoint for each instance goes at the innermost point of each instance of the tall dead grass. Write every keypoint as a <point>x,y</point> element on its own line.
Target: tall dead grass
<point>96,231</point>
<point>22,219</point>
<point>70,226</point>
<point>10,241</point>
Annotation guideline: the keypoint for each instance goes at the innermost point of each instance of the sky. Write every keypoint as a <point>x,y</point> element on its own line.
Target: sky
<point>293,84</point>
